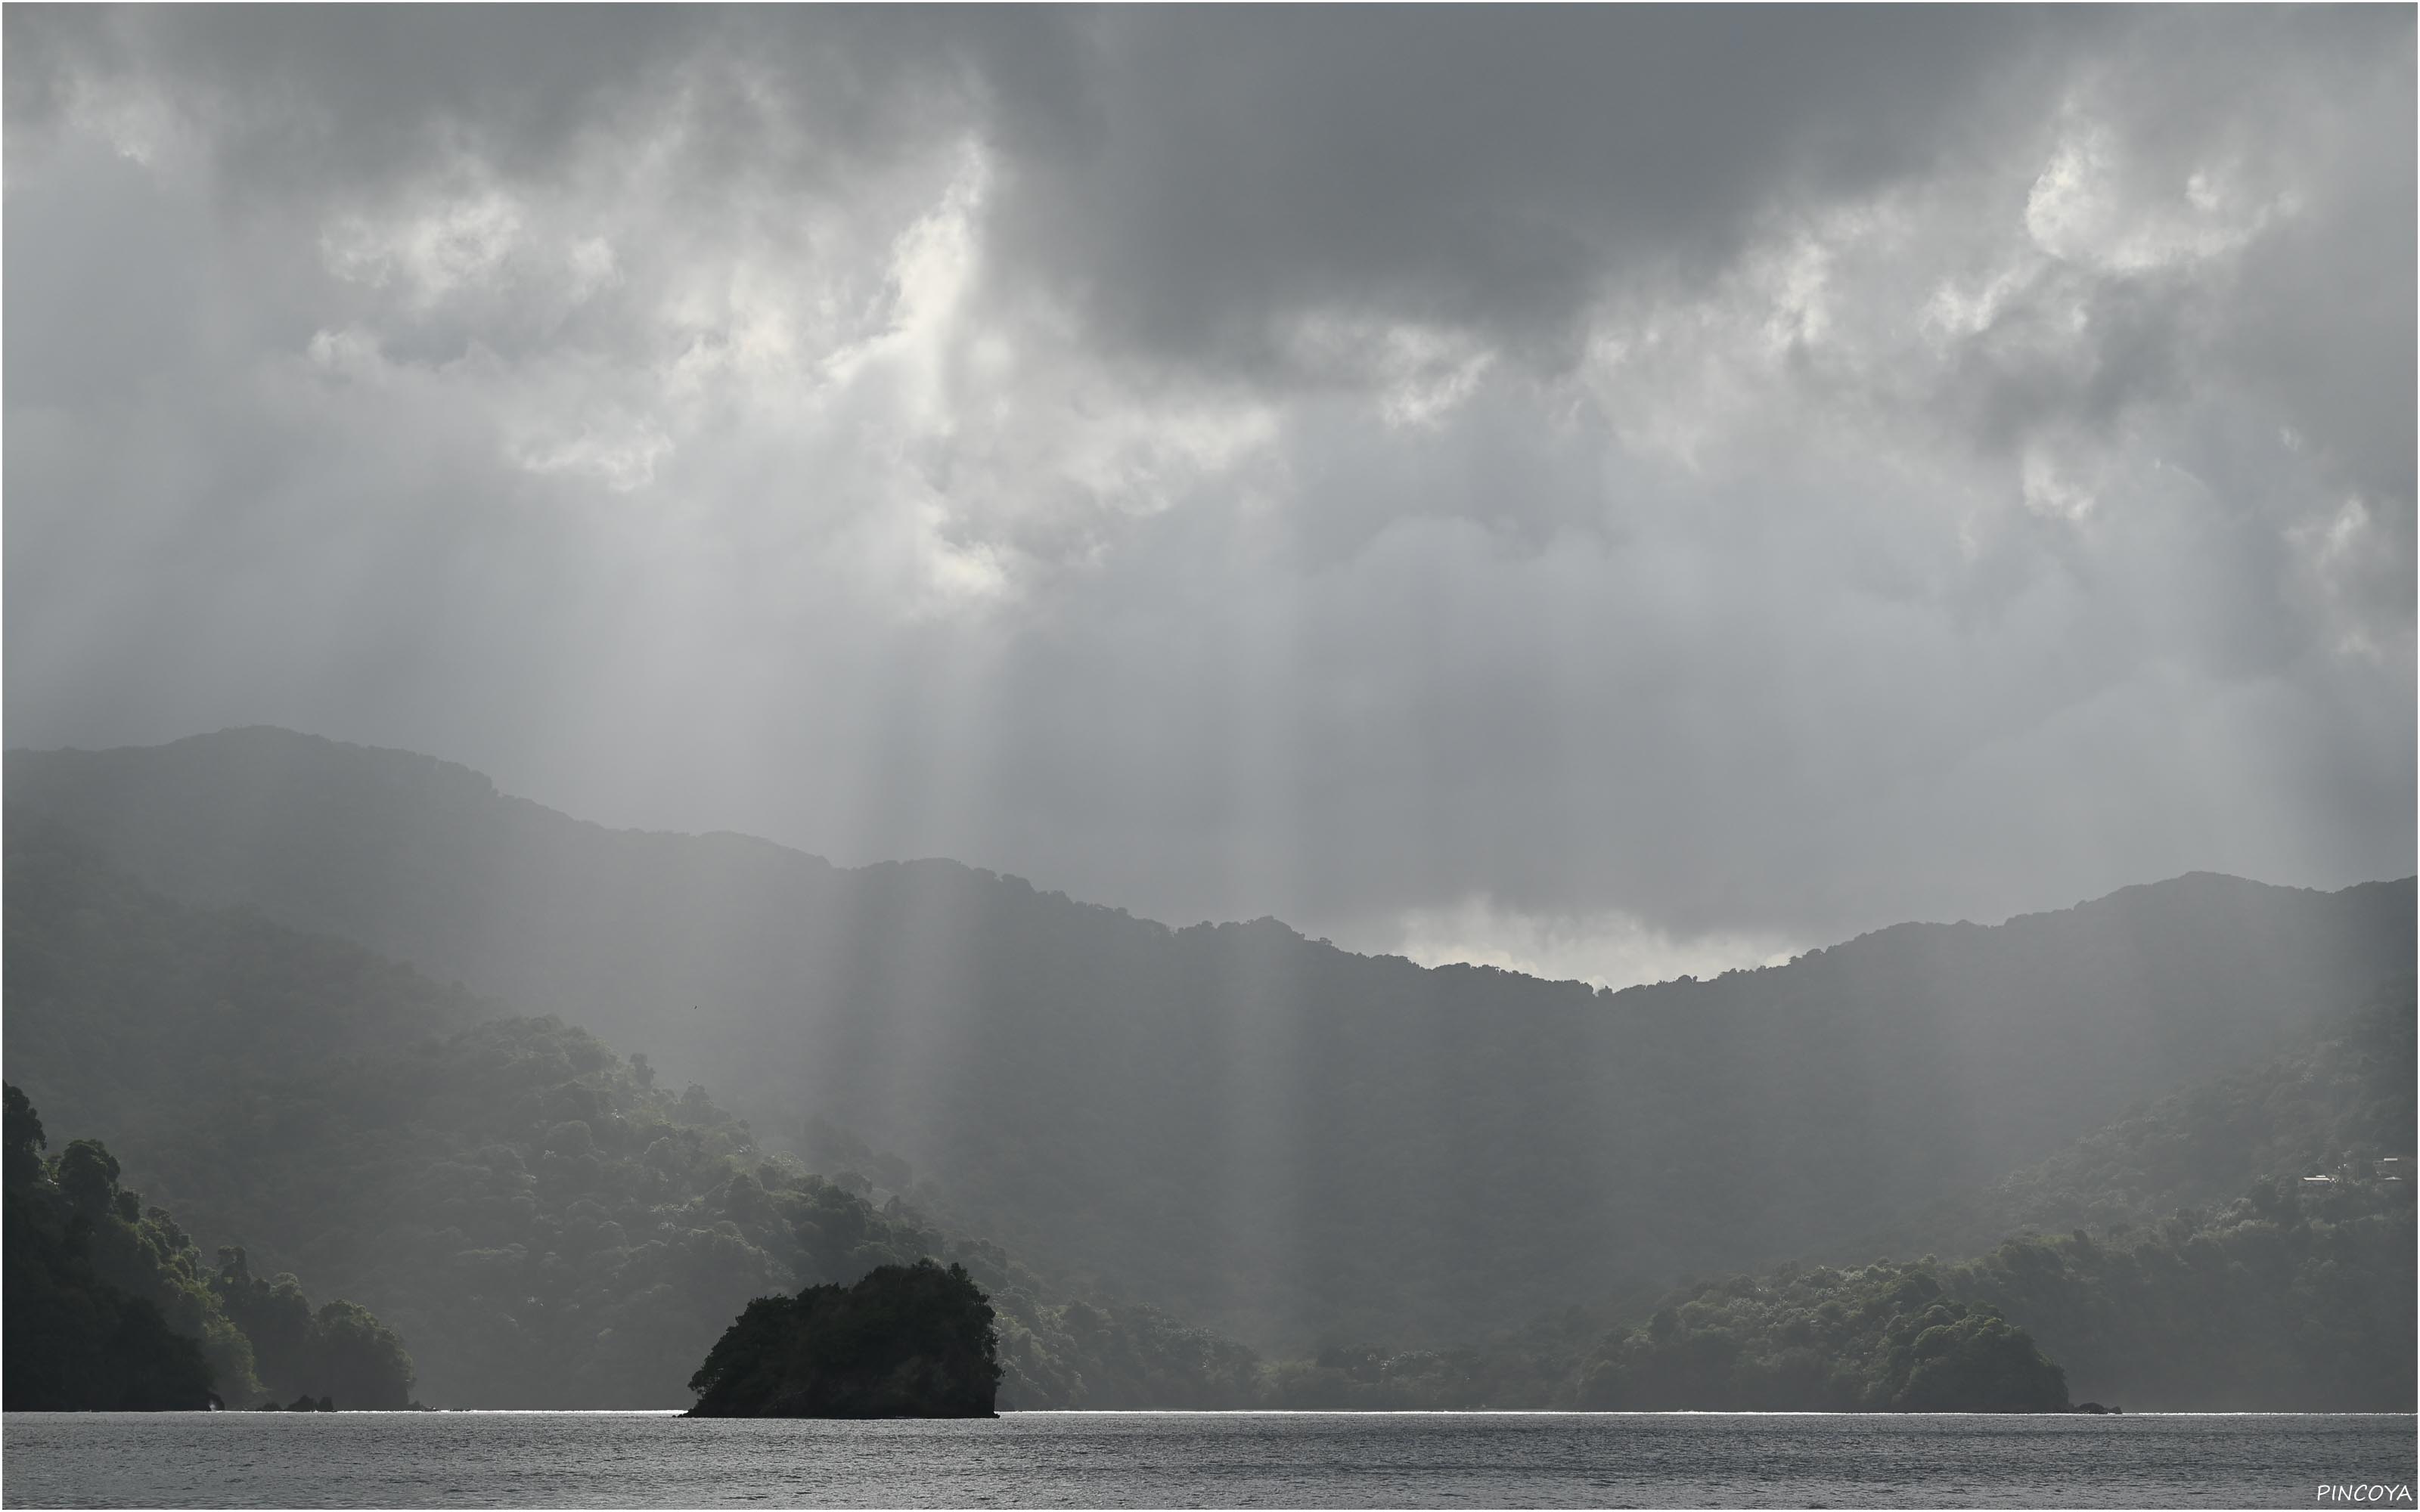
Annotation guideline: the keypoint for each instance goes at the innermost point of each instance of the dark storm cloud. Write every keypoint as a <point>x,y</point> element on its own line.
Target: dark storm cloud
<point>1222,168</point>
<point>1621,491</point>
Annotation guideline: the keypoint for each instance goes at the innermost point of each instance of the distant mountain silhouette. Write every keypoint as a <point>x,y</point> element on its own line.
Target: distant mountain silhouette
<point>1262,1132</point>
<point>545,1223</point>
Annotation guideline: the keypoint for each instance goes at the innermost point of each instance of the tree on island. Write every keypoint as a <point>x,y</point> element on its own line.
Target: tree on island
<point>907,1341</point>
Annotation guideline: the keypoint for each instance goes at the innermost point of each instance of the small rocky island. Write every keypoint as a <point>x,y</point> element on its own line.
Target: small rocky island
<point>907,1341</point>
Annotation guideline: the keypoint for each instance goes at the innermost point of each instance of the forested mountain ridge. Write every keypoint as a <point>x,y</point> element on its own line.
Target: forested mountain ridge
<point>544,1224</point>
<point>2250,1290</point>
<point>2176,1259</point>
<point>2338,1093</point>
<point>551,1229</point>
<point>2280,1301</point>
<point>1256,1129</point>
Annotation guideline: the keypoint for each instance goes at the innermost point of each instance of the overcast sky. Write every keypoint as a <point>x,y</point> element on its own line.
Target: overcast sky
<point>1611,492</point>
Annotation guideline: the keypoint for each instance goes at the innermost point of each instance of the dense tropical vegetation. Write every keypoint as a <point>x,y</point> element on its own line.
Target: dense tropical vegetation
<point>339,1353</point>
<point>2289,1295</point>
<point>76,1342</point>
<point>1231,1123</point>
<point>2323,1102</point>
<point>110,1308</point>
<point>1878,1338</point>
<point>1254,1130</point>
<point>545,1223</point>
<point>2281,1301</point>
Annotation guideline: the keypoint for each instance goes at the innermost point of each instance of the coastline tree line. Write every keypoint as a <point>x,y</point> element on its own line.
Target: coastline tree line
<point>546,1226</point>
<point>1253,1130</point>
<point>110,1308</point>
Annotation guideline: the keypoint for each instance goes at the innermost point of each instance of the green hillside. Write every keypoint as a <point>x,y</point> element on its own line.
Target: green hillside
<point>2327,1099</point>
<point>544,1224</point>
<point>2276,1302</point>
<point>2278,1296</point>
<point>1283,1140</point>
<point>111,1307</point>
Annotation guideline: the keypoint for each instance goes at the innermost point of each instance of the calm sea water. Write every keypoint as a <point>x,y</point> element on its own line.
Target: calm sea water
<point>1197,1459</point>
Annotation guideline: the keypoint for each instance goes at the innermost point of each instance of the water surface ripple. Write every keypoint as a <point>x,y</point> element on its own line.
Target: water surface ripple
<point>1193,1459</point>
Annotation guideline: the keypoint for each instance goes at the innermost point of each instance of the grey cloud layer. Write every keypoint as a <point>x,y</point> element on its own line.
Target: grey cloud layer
<point>1667,475</point>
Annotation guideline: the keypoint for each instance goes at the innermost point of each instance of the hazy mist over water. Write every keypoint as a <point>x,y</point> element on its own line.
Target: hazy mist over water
<point>1192,1459</point>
